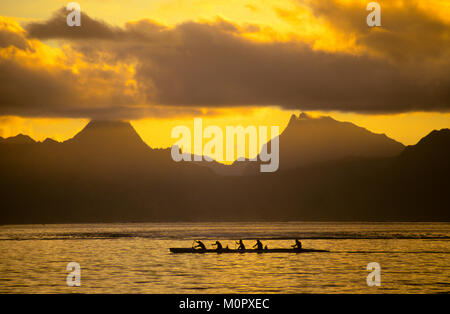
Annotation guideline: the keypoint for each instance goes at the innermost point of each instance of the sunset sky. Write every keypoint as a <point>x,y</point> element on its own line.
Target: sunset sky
<point>160,63</point>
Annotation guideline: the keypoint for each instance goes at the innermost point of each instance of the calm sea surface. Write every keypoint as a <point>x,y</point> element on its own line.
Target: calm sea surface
<point>135,258</point>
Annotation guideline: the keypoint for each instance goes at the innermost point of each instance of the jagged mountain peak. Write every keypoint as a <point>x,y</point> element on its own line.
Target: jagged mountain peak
<point>435,146</point>
<point>18,139</point>
<point>308,139</point>
<point>49,140</point>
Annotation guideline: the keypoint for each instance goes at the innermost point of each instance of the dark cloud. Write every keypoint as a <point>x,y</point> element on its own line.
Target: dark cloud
<point>197,64</point>
<point>54,90</point>
<point>8,38</point>
<point>28,91</point>
<point>211,65</point>
<point>56,27</point>
<point>408,33</point>
<point>91,29</point>
<point>32,92</point>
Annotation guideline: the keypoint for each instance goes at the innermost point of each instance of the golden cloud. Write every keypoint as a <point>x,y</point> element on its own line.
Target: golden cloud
<point>147,69</point>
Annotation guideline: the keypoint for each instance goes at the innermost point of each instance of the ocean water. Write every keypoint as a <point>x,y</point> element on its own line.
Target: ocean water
<point>135,258</point>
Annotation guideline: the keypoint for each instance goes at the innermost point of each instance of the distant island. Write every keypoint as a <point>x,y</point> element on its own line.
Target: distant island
<point>329,171</point>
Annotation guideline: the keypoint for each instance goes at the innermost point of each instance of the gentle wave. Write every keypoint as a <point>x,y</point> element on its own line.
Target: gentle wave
<point>135,258</point>
<point>97,236</point>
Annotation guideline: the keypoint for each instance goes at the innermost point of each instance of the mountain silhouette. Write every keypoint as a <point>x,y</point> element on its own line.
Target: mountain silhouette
<point>49,141</point>
<point>307,140</point>
<point>106,173</point>
<point>432,150</point>
<point>313,140</point>
<point>18,139</point>
<point>109,136</point>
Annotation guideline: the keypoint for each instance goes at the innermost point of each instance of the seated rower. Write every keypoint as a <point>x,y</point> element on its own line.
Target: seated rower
<point>241,245</point>
<point>219,246</point>
<point>258,245</point>
<point>199,245</point>
<point>297,245</point>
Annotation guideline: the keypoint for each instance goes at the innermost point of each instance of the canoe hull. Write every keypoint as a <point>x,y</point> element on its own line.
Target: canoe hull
<point>197,251</point>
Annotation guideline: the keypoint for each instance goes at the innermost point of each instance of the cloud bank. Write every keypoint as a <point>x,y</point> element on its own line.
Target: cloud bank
<point>146,69</point>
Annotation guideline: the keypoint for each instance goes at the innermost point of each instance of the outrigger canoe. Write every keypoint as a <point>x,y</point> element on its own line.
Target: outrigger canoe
<point>191,250</point>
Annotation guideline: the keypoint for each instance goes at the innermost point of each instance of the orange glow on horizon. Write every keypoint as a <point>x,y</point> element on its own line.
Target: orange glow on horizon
<point>406,128</point>
<point>259,20</point>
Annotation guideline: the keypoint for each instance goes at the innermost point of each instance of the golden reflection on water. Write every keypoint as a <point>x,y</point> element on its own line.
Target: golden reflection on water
<point>144,265</point>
